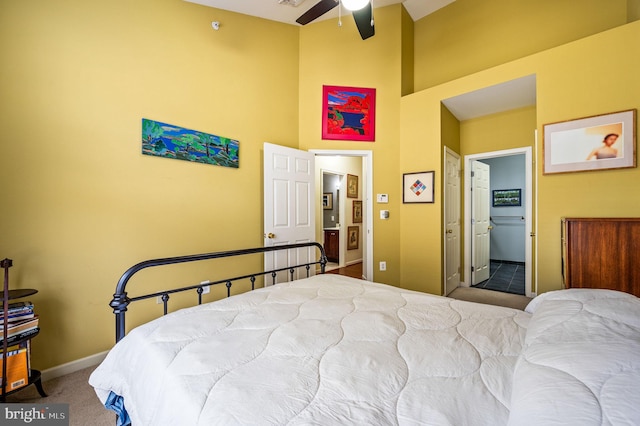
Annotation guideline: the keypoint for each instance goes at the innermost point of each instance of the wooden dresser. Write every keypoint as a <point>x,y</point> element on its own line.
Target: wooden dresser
<point>332,245</point>
<point>601,253</point>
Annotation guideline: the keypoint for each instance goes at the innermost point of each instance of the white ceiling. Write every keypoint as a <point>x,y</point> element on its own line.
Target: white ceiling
<point>272,10</point>
<point>518,93</point>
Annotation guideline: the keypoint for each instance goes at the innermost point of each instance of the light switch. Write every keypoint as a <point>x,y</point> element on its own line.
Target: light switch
<point>384,214</point>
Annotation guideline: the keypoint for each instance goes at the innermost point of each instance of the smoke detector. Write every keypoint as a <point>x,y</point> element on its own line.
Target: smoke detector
<point>293,3</point>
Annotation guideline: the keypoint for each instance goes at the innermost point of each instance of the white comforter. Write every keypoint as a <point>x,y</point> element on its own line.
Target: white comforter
<point>581,361</point>
<point>328,350</point>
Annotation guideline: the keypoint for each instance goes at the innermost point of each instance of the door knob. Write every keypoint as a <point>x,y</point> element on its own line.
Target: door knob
<point>270,235</point>
<point>489,227</point>
<point>449,231</point>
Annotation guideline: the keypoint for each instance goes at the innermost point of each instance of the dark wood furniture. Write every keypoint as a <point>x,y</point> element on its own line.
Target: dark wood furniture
<point>35,377</point>
<point>332,245</point>
<point>601,253</point>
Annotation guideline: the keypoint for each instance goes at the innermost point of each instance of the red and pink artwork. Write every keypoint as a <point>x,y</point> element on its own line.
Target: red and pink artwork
<point>348,113</point>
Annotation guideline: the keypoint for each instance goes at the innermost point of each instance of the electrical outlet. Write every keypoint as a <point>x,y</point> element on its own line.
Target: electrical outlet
<point>383,266</point>
<point>205,289</point>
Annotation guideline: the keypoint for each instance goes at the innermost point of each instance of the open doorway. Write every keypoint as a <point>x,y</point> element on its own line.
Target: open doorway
<point>352,219</point>
<point>293,201</point>
<point>332,217</point>
<point>508,208</point>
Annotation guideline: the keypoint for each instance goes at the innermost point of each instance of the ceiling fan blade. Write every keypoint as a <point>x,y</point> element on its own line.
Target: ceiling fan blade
<point>316,11</point>
<point>363,21</point>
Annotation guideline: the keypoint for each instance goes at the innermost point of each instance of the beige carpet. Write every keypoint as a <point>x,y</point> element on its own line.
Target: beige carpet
<point>490,297</point>
<point>73,389</point>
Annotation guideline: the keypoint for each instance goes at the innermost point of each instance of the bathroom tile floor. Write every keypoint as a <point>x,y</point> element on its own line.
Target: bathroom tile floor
<point>507,277</point>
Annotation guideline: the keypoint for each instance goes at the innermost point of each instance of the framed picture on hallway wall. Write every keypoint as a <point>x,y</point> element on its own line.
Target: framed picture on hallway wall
<point>353,237</point>
<point>600,142</point>
<point>352,186</point>
<point>357,211</point>
<point>348,113</point>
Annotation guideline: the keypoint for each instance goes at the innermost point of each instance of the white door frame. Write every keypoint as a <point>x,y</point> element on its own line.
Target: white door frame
<point>367,221</point>
<point>527,151</point>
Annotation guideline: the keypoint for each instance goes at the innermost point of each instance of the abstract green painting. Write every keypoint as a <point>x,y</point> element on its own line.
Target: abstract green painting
<point>166,140</point>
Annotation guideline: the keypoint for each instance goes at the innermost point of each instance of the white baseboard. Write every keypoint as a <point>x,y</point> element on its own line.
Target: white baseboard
<point>73,366</point>
<point>353,262</point>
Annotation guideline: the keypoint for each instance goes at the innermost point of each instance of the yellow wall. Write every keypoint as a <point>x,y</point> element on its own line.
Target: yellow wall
<point>332,55</point>
<point>450,129</point>
<point>467,36</point>
<point>408,53</point>
<point>80,203</point>
<point>496,132</point>
<point>572,82</point>
<point>420,228</point>
<point>633,10</point>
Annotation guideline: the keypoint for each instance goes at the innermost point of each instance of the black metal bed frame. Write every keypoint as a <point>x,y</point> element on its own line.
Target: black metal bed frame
<point>121,301</point>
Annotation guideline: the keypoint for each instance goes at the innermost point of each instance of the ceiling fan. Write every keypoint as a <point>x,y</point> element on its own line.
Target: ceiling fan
<point>361,9</point>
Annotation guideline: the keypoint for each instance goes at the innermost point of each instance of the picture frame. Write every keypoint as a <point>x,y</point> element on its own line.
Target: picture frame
<point>327,201</point>
<point>348,113</point>
<point>507,197</point>
<point>418,187</point>
<point>357,211</point>
<point>179,143</point>
<point>353,237</point>
<point>599,142</point>
<point>352,186</point>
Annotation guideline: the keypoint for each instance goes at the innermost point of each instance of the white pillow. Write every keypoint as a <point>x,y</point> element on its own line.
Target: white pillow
<point>577,294</point>
<point>580,363</point>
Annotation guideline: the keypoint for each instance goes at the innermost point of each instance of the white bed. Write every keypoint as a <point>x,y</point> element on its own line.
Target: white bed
<point>332,350</point>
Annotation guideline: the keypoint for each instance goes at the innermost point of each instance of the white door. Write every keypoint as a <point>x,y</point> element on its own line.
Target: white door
<point>452,222</point>
<point>480,222</point>
<point>289,208</point>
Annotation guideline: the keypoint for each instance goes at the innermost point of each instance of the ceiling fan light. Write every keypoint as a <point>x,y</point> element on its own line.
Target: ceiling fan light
<point>354,4</point>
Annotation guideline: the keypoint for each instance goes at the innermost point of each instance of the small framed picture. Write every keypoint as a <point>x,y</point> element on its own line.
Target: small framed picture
<point>327,201</point>
<point>606,141</point>
<point>357,211</point>
<point>418,187</point>
<point>352,186</point>
<point>507,197</point>
<point>353,237</point>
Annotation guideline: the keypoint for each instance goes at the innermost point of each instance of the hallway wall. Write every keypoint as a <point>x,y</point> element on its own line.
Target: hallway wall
<point>342,165</point>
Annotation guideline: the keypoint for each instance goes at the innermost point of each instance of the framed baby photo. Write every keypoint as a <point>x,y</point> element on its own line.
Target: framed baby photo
<point>600,142</point>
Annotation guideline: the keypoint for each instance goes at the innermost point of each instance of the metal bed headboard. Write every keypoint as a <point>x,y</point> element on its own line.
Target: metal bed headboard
<point>121,301</point>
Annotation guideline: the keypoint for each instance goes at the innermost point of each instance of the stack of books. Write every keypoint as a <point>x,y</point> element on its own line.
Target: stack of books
<point>21,324</point>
